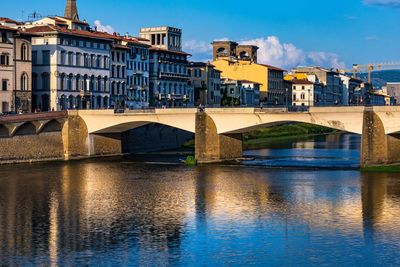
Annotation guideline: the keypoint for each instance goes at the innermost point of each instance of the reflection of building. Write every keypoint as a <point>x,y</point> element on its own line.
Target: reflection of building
<point>239,62</point>
<point>168,67</point>
<point>15,69</point>
<point>207,84</point>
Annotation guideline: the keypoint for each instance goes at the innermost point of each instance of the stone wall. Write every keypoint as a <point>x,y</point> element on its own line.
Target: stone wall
<point>36,147</point>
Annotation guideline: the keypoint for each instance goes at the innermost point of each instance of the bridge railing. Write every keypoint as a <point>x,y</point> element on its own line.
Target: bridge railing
<point>33,116</point>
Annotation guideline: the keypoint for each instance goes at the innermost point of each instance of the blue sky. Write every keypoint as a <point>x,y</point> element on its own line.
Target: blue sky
<point>329,33</point>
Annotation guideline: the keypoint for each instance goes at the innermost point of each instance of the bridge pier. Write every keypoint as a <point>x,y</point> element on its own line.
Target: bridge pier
<point>377,148</point>
<point>213,147</point>
<point>78,143</point>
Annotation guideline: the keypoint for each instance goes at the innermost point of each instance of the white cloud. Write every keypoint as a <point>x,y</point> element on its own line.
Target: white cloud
<point>103,28</point>
<point>383,3</point>
<point>371,38</point>
<point>197,46</point>
<point>272,51</point>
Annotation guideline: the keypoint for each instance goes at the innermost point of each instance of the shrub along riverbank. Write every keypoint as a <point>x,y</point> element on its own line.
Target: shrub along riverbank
<point>286,131</point>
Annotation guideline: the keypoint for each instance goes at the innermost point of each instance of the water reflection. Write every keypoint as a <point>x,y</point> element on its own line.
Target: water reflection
<point>124,213</point>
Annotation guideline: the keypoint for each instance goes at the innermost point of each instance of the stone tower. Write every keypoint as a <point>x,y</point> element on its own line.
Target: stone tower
<point>71,12</point>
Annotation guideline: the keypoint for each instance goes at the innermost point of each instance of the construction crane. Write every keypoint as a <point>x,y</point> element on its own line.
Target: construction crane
<point>372,67</point>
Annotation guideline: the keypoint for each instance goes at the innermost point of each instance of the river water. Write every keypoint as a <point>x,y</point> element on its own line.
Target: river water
<point>155,212</point>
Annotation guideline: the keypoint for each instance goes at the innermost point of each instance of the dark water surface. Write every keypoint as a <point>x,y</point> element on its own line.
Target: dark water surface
<point>124,212</point>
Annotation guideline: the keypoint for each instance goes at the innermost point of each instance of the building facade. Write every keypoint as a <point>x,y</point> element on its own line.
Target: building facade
<point>330,79</point>
<point>207,84</point>
<point>306,93</point>
<point>15,71</point>
<point>239,62</point>
<point>71,69</point>
<point>393,90</point>
<point>167,67</point>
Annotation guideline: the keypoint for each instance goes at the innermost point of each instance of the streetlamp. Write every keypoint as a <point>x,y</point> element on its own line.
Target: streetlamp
<point>287,96</point>
<point>309,97</point>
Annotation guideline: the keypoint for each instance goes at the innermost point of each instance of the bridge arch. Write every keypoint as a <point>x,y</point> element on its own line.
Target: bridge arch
<point>27,128</point>
<point>4,132</point>
<point>51,126</point>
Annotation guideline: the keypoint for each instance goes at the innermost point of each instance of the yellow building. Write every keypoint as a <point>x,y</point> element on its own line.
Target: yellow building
<point>270,78</point>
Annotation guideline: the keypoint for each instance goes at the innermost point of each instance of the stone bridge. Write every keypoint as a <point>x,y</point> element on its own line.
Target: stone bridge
<point>218,132</point>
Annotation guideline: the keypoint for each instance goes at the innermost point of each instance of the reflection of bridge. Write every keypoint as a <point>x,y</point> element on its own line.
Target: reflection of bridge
<point>218,131</point>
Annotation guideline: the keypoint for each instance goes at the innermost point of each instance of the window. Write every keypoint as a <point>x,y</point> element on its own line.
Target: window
<point>4,59</point>
<point>69,82</point>
<point>62,61</point>
<point>46,81</point>
<point>34,57</point>
<point>4,85</point>
<point>303,96</point>
<point>24,52</point>
<point>78,59</point>
<point>46,57</point>
<point>62,81</point>
<point>34,81</point>
<point>4,37</point>
<point>24,82</point>
<point>70,58</point>
<point>303,87</point>
<point>294,97</point>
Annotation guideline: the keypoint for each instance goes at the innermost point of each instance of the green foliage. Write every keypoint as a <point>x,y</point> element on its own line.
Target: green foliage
<point>391,168</point>
<point>230,101</point>
<point>287,130</point>
<point>190,161</point>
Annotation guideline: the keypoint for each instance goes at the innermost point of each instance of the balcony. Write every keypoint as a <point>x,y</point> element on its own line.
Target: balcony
<point>166,75</point>
<point>85,93</point>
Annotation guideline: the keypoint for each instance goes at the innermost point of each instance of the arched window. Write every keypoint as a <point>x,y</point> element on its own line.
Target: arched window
<point>105,87</point>
<point>24,52</point>
<point>99,83</point>
<point>69,82</point>
<point>77,82</point>
<point>24,82</point>
<point>62,81</point>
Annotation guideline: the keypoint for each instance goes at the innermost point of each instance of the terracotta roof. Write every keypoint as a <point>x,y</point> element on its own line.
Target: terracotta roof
<point>171,51</point>
<point>7,20</point>
<point>121,38</point>
<point>51,28</point>
<point>73,20</point>
<point>141,39</point>
<point>271,67</point>
<point>247,81</point>
<point>7,28</point>
<point>120,47</point>
<point>200,64</point>
<point>295,81</point>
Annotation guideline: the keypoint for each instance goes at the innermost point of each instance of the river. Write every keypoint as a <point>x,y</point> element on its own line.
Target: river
<point>293,202</point>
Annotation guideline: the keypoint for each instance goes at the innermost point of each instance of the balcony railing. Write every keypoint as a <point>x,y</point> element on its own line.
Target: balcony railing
<point>172,75</point>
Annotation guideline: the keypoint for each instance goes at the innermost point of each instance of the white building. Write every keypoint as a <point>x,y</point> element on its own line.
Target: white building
<point>71,68</point>
<point>167,67</point>
<point>307,93</point>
